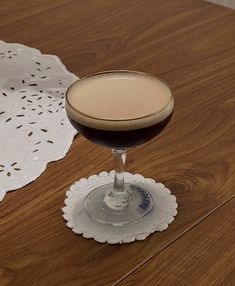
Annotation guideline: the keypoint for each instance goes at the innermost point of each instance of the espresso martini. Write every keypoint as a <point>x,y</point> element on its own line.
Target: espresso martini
<point>119,109</point>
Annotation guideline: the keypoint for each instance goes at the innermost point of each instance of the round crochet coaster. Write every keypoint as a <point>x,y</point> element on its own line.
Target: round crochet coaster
<point>163,213</point>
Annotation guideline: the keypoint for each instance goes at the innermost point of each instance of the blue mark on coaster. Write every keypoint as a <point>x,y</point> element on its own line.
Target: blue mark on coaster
<point>146,197</point>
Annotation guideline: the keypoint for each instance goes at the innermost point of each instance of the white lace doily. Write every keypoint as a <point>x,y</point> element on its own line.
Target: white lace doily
<point>163,213</point>
<point>34,129</point>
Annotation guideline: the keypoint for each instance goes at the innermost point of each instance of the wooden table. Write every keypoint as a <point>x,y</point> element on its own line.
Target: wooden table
<point>190,44</point>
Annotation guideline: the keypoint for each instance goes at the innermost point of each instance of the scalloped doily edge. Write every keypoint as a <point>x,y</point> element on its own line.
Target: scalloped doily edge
<point>172,213</point>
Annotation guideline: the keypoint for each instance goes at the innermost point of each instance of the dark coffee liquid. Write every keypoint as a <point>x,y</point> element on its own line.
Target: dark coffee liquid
<point>120,139</point>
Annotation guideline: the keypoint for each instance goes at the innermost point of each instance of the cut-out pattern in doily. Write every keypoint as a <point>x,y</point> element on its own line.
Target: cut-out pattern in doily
<point>34,129</point>
<point>163,213</point>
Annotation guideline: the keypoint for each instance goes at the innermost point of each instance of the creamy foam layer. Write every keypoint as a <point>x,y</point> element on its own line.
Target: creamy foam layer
<point>119,101</point>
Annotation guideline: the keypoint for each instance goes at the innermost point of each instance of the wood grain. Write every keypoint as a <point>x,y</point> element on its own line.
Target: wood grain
<point>190,45</point>
<point>204,256</point>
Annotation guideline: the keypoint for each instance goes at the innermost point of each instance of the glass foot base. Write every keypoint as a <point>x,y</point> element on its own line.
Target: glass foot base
<point>140,204</point>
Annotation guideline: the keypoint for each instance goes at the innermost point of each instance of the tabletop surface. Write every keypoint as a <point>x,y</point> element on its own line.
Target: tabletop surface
<point>191,45</point>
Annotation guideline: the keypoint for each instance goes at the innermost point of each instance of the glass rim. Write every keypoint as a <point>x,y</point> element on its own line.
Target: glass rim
<point>118,71</point>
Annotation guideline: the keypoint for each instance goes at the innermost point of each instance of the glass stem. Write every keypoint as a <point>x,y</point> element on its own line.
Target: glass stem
<point>118,198</point>
<point>120,160</point>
